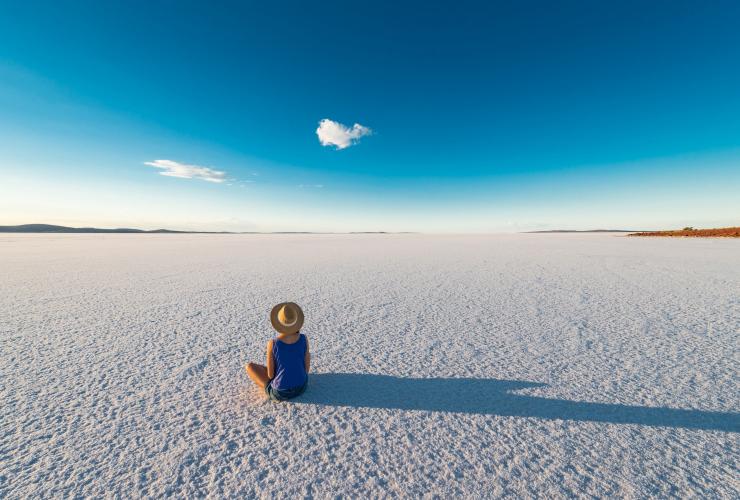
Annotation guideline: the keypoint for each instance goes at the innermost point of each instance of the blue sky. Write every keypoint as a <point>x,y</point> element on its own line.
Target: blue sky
<point>472,116</point>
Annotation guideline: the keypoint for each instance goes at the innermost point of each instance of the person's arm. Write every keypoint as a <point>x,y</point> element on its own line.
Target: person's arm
<point>270,361</point>
<point>307,358</point>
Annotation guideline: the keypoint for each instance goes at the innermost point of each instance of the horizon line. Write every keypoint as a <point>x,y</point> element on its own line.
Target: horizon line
<point>56,228</point>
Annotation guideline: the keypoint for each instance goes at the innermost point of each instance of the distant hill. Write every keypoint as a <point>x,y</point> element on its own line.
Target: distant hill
<point>690,232</point>
<point>49,228</point>
<point>585,231</point>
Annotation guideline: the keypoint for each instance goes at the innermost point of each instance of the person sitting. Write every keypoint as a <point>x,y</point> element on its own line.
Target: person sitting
<point>288,357</point>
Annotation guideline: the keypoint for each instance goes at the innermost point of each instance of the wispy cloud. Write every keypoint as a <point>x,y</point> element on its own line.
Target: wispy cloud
<point>184,171</point>
<point>318,186</point>
<point>333,133</point>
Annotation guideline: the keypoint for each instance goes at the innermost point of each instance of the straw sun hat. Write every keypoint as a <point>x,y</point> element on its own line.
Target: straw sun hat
<point>286,317</point>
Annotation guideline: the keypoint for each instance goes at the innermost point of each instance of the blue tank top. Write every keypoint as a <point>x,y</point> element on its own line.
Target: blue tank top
<point>290,364</point>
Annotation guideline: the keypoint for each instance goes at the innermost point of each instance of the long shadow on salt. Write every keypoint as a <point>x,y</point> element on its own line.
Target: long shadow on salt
<point>495,397</point>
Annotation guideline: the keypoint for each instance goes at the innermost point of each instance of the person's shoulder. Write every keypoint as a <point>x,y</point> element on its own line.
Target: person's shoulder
<point>270,343</point>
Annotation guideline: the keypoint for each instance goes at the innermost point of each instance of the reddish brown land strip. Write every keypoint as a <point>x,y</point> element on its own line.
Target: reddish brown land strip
<point>722,232</point>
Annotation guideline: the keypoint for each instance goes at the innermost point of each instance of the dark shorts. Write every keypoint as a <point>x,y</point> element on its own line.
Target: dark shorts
<point>284,395</point>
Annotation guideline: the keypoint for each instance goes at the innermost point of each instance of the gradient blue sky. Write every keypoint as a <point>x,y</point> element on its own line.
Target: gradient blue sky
<point>486,116</point>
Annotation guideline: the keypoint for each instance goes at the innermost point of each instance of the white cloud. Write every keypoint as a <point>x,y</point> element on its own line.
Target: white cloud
<point>333,133</point>
<point>318,186</point>
<point>174,169</point>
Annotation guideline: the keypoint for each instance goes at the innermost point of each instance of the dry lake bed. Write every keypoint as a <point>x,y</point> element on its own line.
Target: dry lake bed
<point>550,365</point>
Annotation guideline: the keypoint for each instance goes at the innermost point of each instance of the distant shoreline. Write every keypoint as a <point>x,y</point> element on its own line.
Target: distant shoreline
<point>727,232</point>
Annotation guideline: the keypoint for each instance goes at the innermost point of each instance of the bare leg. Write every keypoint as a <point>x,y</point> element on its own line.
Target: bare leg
<point>258,374</point>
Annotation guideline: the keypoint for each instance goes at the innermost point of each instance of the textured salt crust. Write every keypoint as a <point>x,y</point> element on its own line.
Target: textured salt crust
<point>476,366</point>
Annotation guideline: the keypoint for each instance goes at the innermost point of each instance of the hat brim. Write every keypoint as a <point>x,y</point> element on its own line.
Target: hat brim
<point>279,327</point>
